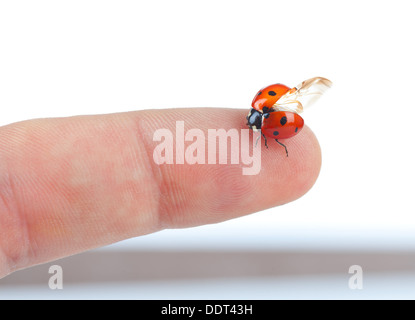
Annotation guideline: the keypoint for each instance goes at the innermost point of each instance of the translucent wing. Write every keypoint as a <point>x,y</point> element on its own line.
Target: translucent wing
<point>303,95</point>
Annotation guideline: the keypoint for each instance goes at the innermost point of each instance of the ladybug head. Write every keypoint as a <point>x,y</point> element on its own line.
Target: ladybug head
<point>254,120</point>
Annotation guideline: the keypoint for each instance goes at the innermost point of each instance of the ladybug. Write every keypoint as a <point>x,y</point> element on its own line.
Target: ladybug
<point>275,109</point>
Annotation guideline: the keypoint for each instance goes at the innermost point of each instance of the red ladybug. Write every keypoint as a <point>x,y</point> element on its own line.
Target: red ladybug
<point>275,109</point>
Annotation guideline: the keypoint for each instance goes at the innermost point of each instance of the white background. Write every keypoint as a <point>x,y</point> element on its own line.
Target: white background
<point>63,58</point>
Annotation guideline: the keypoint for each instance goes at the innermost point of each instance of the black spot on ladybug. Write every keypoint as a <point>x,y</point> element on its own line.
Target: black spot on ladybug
<point>266,115</point>
<point>259,93</point>
<point>276,133</point>
<point>265,109</point>
<point>272,93</point>
<point>296,129</point>
<point>283,120</point>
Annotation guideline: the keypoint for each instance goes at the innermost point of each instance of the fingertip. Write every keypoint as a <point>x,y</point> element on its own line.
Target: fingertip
<point>284,179</point>
<point>214,193</point>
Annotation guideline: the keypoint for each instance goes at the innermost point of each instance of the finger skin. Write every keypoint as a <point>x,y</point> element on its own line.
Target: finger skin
<point>71,184</point>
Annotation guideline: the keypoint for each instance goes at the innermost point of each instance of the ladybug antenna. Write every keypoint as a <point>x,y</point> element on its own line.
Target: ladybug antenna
<point>286,151</point>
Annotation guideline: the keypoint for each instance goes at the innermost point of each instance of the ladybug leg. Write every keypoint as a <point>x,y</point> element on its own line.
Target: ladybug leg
<point>265,138</point>
<point>257,139</point>
<point>286,151</point>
